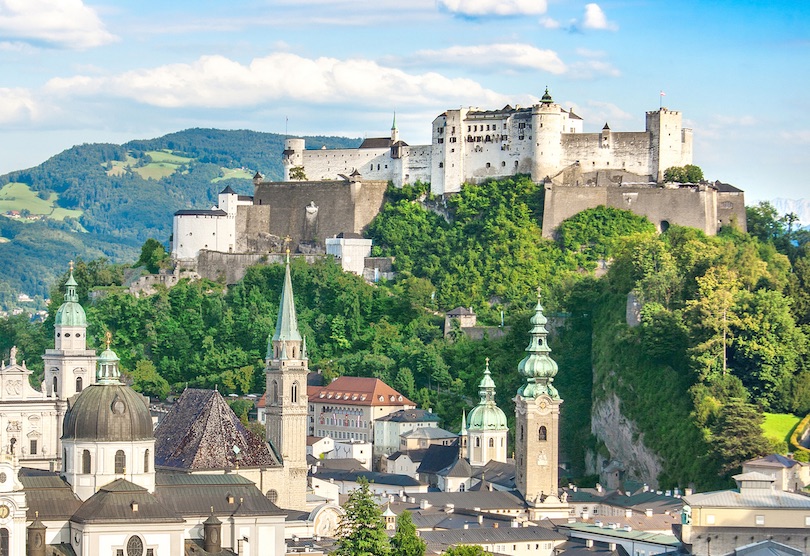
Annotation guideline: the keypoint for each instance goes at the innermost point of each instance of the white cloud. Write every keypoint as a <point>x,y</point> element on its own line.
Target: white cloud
<point>596,112</point>
<point>801,136</point>
<point>595,18</point>
<point>56,23</point>
<point>550,23</point>
<point>498,56</point>
<point>17,106</point>
<point>589,69</point>
<point>494,7</point>
<point>218,82</point>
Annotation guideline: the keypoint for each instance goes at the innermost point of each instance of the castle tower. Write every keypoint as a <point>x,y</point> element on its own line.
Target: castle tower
<point>107,434</point>
<point>292,156</point>
<point>69,367</point>
<point>537,416</point>
<point>671,143</point>
<point>486,426</point>
<point>547,128</point>
<point>286,398</point>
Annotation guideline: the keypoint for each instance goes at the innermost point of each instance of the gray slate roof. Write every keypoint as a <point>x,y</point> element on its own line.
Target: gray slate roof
<point>490,535</point>
<point>193,495</point>
<point>410,416</point>
<point>200,432</point>
<point>754,498</point>
<point>124,502</point>
<point>437,458</point>
<point>430,433</point>
<point>47,493</point>
<point>372,477</point>
<point>483,500</point>
<point>774,460</point>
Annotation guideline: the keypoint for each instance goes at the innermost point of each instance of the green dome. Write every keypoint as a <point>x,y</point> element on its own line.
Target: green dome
<point>546,98</point>
<point>486,415</point>
<point>70,313</point>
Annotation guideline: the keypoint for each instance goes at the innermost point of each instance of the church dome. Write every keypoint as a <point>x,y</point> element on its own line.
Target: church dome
<point>71,313</point>
<point>108,413</point>
<point>486,417</point>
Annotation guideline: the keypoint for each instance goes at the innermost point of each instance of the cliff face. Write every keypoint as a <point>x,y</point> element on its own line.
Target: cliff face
<point>624,441</point>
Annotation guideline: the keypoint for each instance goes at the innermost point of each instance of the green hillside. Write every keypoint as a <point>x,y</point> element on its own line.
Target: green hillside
<point>120,195</point>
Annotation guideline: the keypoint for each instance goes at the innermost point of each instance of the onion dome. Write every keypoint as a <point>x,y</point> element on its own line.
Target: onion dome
<point>70,313</point>
<point>546,98</point>
<point>486,415</point>
<point>108,410</point>
<point>538,368</point>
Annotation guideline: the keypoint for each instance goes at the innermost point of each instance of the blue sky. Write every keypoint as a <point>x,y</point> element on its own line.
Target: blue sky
<point>81,71</point>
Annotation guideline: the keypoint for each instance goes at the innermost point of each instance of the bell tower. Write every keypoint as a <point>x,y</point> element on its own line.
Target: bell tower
<point>286,398</point>
<point>537,420</point>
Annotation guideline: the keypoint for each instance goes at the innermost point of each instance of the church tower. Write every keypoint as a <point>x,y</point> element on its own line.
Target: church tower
<point>286,399</point>
<point>486,426</point>
<point>70,367</point>
<point>537,418</point>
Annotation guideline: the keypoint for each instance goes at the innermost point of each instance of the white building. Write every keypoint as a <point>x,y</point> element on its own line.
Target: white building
<point>389,428</point>
<point>213,229</point>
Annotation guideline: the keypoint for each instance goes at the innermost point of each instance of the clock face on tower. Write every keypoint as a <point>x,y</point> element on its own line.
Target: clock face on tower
<point>77,537</point>
<point>4,511</point>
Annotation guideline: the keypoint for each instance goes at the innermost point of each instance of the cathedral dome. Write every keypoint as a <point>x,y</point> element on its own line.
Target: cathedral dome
<point>71,313</point>
<point>108,413</point>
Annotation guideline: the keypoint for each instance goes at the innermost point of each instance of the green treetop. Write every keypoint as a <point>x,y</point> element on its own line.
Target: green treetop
<point>405,541</point>
<point>362,530</point>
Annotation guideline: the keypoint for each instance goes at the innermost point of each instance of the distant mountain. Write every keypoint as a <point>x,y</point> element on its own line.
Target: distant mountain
<point>800,206</point>
<point>105,200</point>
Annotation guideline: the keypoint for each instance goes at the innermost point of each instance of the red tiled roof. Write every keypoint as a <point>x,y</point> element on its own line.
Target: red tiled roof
<point>353,390</point>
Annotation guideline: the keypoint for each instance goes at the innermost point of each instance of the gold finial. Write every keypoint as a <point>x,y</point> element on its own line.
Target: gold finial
<point>108,338</point>
<point>539,292</point>
<point>212,510</point>
<point>71,266</point>
<point>36,514</point>
<point>487,361</point>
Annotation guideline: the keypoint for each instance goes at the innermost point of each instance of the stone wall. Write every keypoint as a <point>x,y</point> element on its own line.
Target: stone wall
<point>309,212</point>
<point>231,267</point>
<point>695,206</point>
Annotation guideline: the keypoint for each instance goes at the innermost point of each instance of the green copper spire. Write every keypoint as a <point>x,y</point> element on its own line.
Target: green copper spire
<point>287,322</point>
<point>70,313</point>
<point>394,124</point>
<point>546,98</point>
<point>538,367</point>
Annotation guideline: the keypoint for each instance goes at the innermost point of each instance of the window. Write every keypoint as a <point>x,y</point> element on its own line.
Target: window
<point>272,495</point>
<point>146,461</point>
<point>441,164</point>
<point>86,462</point>
<point>78,384</point>
<point>55,386</point>
<point>709,520</point>
<point>4,542</point>
<point>477,442</point>
<point>120,461</point>
<point>33,446</point>
<point>542,434</point>
<point>134,546</point>
<point>275,392</point>
<point>759,520</point>
<point>294,392</point>
<point>491,442</point>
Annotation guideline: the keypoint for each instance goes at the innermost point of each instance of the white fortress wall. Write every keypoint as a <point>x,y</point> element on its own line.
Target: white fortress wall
<point>326,164</point>
<point>629,151</point>
<point>195,232</point>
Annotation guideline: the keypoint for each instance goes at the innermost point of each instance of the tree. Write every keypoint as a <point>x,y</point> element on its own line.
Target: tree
<point>297,173</point>
<point>737,435</point>
<point>362,529</point>
<point>152,254</point>
<point>466,550</point>
<point>684,174</point>
<point>147,381</point>
<point>405,541</point>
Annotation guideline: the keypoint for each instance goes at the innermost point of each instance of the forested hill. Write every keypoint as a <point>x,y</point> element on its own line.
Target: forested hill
<point>106,200</point>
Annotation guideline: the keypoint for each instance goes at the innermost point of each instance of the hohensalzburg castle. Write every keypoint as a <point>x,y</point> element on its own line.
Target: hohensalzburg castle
<point>469,144</point>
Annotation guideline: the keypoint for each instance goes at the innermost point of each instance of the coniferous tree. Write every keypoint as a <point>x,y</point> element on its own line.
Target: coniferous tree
<point>362,530</point>
<point>405,541</point>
